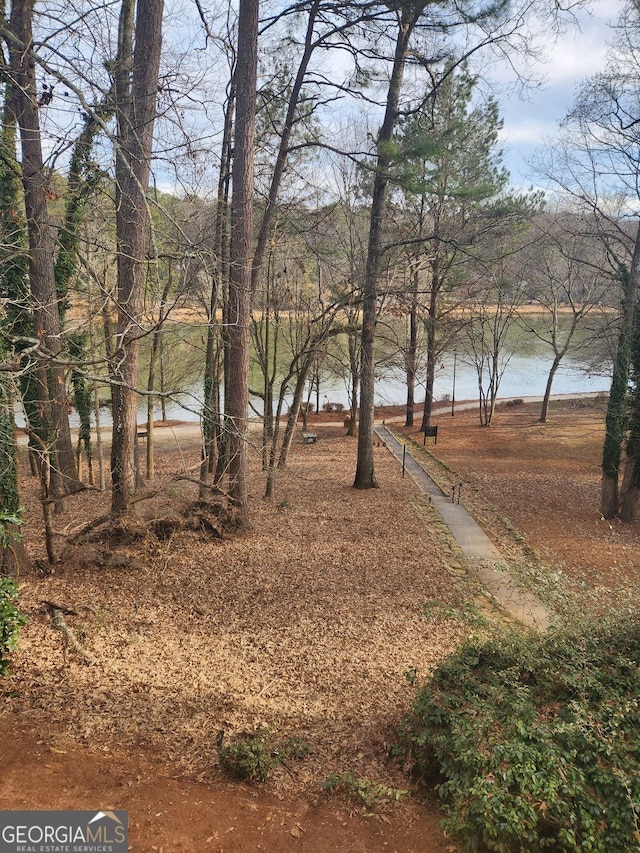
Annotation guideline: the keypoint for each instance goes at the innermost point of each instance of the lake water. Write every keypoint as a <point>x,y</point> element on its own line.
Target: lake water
<point>524,376</point>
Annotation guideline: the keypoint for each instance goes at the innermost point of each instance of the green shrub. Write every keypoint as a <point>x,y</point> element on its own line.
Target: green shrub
<point>293,747</point>
<point>535,741</point>
<point>253,757</point>
<point>8,522</point>
<point>10,621</point>
<point>362,791</point>
<point>249,758</point>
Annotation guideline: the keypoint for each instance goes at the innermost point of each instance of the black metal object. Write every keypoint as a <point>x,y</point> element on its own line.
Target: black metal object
<point>430,432</point>
<point>453,390</point>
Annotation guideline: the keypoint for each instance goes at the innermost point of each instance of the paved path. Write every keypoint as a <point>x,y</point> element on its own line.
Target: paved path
<point>482,556</point>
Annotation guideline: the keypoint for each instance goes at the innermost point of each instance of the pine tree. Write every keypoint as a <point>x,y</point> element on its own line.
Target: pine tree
<point>451,176</point>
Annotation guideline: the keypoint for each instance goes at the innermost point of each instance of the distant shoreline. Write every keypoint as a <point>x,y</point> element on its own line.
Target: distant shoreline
<point>173,428</point>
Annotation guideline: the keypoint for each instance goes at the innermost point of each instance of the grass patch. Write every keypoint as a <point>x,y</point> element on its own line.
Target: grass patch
<point>362,791</point>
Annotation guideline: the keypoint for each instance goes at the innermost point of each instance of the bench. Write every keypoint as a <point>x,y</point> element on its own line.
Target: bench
<point>430,432</point>
<point>309,437</point>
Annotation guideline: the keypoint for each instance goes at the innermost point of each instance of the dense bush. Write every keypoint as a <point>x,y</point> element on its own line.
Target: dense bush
<point>535,741</point>
<point>10,621</point>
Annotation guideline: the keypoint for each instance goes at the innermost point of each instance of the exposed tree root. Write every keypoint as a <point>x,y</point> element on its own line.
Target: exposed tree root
<point>102,519</point>
<point>57,613</point>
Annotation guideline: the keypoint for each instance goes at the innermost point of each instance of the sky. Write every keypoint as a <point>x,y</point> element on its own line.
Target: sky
<point>528,121</point>
<point>577,55</point>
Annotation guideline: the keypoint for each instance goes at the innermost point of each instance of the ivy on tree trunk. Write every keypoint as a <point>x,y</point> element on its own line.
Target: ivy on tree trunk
<point>616,417</point>
<point>55,435</point>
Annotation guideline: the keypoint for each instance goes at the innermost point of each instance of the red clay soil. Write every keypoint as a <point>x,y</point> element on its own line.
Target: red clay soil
<point>182,816</point>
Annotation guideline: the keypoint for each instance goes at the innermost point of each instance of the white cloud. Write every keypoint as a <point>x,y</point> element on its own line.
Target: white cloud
<point>527,132</point>
<point>582,51</point>
<point>577,55</point>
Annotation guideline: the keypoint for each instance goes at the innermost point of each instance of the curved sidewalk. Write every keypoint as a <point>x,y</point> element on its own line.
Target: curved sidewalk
<point>482,556</point>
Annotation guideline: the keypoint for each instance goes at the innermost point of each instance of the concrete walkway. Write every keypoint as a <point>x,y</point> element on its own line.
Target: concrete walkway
<point>483,558</point>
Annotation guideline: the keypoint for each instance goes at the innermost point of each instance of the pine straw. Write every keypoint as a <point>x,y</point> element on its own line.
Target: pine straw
<point>307,625</point>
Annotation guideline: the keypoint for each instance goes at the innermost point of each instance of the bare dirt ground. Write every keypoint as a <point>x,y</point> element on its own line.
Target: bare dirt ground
<point>312,625</point>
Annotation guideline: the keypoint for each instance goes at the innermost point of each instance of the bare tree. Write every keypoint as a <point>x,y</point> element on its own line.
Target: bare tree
<point>55,440</point>
<point>491,312</point>
<point>567,277</point>
<point>214,460</point>
<point>136,85</point>
<point>407,18</point>
<point>595,161</point>
<point>241,255</point>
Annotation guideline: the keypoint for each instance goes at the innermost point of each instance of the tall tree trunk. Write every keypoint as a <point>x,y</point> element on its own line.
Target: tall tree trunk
<point>294,408</point>
<point>13,556</point>
<point>241,255</point>
<point>365,477</point>
<point>273,447</point>
<point>412,351</point>
<point>136,86</point>
<point>154,355</point>
<point>50,377</point>
<point>81,182</point>
<point>544,412</point>
<point>431,337</point>
<point>96,414</point>
<point>212,432</point>
<point>630,491</point>
<point>354,376</point>
<point>616,417</point>
<point>14,263</point>
<point>268,419</point>
<point>283,148</point>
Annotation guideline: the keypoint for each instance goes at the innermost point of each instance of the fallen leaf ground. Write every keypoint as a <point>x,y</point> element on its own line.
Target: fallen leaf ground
<point>312,625</point>
<point>535,489</point>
